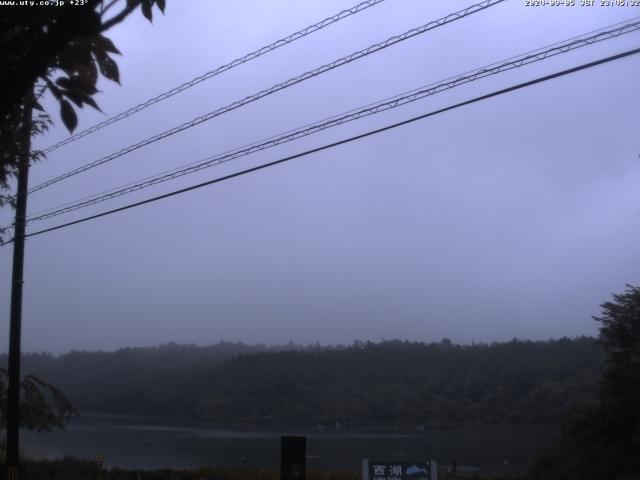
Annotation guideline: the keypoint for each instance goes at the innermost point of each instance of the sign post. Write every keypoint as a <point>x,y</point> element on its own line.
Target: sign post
<point>293,458</point>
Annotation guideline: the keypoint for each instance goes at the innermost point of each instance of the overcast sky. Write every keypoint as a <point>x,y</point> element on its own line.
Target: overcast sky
<point>514,217</point>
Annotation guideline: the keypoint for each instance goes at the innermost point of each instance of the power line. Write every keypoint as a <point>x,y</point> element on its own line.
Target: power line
<point>625,27</point>
<point>387,104</point>
<point>275,88</point>
<point>392,102</point>
<point>217,71</point>
<point>344,141</point>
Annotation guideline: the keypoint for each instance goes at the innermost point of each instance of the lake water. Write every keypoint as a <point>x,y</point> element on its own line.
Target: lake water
<point>135,442</point>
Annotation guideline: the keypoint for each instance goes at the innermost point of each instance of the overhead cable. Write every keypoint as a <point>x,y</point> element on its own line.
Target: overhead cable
<point>381,106</point>
<point>342,142</point>
<point>275,88</point>
<point>217,71</point>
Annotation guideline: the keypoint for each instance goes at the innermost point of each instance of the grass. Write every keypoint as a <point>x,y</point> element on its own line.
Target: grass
<point>75,469</point>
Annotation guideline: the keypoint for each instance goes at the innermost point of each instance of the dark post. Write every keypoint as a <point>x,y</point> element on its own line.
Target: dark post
<point>293,458</point>
<point>13,400</point>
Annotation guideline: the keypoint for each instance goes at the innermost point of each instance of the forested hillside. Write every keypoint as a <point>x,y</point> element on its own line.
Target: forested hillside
<point>392,383</point>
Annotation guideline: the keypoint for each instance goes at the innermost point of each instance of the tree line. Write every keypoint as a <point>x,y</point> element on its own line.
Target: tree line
<point>391,383</point>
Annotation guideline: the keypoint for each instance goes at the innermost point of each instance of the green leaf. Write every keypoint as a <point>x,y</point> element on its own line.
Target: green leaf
<point>64,82</point>
<point>109,68</point>
<point>87,78</point>
<point>54,90</point>
<point>146,10</point>
<point>90,101</point>
<point>74,96</point>
<point>105,44</point>
<point>80,50</point>
<point>80,98</point>
<point>65,62</point>
<point>68,115</point>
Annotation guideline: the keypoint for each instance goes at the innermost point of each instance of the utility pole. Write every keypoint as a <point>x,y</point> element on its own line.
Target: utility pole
<point>13,403</point>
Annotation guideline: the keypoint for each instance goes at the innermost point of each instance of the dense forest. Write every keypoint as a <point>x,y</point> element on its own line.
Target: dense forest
<point>391,384</point>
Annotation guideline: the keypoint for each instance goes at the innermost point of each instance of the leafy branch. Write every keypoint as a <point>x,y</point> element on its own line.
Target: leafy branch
<point>43,407</point>
<point>63,51</point>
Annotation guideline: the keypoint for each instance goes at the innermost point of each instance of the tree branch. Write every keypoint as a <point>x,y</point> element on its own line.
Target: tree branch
<point>105,9</point>
<point>131,6</point>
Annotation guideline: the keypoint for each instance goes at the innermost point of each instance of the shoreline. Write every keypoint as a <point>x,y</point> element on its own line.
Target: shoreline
<point>310,430</point>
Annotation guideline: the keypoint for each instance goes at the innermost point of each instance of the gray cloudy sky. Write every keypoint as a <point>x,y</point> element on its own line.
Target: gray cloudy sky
<point>515,217</point>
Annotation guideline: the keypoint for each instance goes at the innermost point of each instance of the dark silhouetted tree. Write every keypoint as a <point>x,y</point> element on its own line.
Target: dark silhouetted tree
<point>603,440</point>
<point>61,50</point>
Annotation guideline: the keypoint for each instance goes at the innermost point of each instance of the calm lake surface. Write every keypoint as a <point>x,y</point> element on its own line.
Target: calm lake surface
<point>138,442</point>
